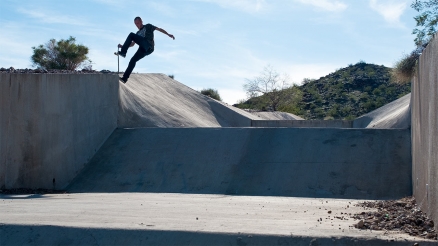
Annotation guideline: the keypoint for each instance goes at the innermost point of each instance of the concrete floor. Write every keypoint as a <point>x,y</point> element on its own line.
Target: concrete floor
<point>184,219</point>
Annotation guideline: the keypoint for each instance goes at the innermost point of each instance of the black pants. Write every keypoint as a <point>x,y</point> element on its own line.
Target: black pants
<point>144,49</point>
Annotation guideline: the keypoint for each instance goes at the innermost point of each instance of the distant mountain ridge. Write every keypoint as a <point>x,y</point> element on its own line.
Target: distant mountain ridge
<point>344,94</point>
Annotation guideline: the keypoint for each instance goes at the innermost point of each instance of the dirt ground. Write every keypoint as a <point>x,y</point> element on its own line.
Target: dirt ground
<point>396,215</point>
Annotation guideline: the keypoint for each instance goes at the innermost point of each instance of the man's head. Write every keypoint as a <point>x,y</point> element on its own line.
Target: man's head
<point>138,22</point>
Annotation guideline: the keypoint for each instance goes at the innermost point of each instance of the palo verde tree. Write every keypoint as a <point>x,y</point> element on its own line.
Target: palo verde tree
<point>426,27</point>
<point>270,85</point>
<point>62,54</point>
<point>427,20</point>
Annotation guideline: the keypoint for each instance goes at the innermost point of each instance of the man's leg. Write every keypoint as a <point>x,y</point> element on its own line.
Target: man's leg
<point>137,39</point>
<point>137,56</point>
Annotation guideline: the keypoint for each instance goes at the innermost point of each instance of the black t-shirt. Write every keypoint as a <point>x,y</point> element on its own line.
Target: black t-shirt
<point>147,31</point>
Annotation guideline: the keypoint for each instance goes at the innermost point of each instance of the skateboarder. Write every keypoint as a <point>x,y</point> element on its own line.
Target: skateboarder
<point>145,39</point>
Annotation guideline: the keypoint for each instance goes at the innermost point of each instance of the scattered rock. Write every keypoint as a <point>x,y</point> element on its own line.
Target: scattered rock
<point>359,225</point>
<point>401,215</point>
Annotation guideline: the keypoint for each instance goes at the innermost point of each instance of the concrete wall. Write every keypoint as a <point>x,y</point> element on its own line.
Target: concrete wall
<point>303,123</point>
<point>306,162</point>
<point>425,131</point>
<point>51,125</point>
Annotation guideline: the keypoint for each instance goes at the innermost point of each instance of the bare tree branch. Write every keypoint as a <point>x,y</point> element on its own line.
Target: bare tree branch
<point>270,84</point>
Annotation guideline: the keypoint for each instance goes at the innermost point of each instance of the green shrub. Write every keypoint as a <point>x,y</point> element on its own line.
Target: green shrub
<point>63,54</point>
<point>211,93</point>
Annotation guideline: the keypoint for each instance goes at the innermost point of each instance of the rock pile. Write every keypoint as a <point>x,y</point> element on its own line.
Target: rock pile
<point>57,71</point>
<point>401,215</point>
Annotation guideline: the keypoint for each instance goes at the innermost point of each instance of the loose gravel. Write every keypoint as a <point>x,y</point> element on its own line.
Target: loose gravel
<point>402,215</point>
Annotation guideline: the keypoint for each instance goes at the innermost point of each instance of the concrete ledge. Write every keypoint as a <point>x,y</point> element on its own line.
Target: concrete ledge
<point>51,125</point>
<point>303,123</point>
<point>300,162</point>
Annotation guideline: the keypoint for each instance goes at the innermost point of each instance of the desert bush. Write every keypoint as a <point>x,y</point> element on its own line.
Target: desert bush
<point>211,93</point>
<point>404,69</point>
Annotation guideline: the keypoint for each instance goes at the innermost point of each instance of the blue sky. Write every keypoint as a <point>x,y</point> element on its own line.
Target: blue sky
<point>219,43</point>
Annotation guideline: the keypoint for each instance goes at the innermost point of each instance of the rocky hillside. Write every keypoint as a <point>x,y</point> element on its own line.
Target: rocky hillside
<point>345,94</point>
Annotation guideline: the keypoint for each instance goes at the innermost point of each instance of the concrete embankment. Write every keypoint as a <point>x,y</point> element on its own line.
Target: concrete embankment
<point>396,114</point>
<point>45,144</point>
<point>51,125</point>
<point>155,100</point>
<point>307,162</point>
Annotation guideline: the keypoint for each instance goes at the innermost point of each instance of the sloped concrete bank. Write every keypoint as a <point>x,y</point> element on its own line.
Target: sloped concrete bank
<point>51,125</point>
<point>303,162</point>
<point>396,114</point>
<point>155,100</point>
<point>425,131</point>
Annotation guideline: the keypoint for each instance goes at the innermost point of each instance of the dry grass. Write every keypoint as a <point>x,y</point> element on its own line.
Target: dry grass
<point>404,69</point>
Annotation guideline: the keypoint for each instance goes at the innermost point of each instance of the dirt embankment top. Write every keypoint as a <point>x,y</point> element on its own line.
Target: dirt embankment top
<point>55,71</point>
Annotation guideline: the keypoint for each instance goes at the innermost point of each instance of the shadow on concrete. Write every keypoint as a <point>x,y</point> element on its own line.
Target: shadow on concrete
<point>22,196</point>
<point>146,235</point>
<point>322,195</point>
<point>27,196</point>
<point>288,162</point>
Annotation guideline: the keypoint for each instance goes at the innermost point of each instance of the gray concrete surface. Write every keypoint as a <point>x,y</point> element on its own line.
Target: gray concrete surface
<point>41,140</point>
<point>51,125</point>
<point>303,123</point>
<point>184,219</point>
<point>304,162</point>
<point>425,131</point>
<point>155,100</point>
<point>396,114</point>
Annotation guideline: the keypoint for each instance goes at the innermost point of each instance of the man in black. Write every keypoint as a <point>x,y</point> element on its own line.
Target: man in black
<point>145,39</point>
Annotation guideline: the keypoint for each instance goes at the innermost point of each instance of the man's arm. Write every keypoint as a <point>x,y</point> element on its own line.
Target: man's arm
<point>164,31</point>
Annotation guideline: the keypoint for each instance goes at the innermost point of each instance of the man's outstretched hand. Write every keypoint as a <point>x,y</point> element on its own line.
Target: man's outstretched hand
<point>171,36</point>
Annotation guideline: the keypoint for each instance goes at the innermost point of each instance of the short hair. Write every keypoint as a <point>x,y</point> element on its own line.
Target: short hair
<point>137,18</point>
